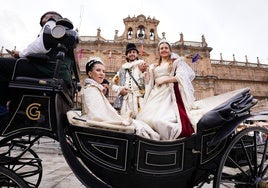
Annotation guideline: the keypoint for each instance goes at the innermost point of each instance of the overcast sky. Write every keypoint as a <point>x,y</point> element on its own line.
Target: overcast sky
<point>230,26</point>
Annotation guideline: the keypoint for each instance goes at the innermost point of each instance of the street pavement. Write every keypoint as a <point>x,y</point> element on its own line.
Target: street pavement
<point>56,172</point>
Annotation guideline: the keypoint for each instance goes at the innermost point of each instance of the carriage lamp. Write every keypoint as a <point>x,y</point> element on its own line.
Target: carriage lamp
<point>58,31</point>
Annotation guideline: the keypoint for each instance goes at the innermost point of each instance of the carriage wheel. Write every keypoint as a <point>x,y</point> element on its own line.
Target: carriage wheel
<point>28,166</point>
<point>11,179</point>
<point>245,162</point>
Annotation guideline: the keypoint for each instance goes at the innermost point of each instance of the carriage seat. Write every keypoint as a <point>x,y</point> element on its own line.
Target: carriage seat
<point>55,83</point>
<point>75,118</point>
<point>38,57</point>
<point>41,83</point>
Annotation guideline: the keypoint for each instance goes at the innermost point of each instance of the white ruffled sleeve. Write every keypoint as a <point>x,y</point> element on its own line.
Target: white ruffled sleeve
<point>149,86</point>
<point>185,75</point>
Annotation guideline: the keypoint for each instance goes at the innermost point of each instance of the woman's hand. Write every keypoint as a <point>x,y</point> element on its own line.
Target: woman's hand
<point>165,80</point>
<point>160,81</point>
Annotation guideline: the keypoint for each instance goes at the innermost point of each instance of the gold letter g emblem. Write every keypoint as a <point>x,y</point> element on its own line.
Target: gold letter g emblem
<point>32,111</point>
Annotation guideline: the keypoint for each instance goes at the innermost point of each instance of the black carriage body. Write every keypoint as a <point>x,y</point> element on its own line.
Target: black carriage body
<point>125,160</point>
<point>33,109</point>
<point>118,159</point>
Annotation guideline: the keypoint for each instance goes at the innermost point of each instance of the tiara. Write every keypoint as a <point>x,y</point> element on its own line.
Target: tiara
<point>94,59</point>
<point>163,41</point>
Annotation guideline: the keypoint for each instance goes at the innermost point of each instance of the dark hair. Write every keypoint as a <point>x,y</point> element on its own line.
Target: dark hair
<point>105,81</point>
<point>90,65</point>
<point>49,12</point>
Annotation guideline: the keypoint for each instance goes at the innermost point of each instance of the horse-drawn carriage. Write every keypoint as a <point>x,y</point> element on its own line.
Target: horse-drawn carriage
<point>101,157</point>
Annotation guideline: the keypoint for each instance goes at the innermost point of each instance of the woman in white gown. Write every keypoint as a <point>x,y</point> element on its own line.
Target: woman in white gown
<point>169,95</point>
<point>169,104</point>
<point>97,110</point>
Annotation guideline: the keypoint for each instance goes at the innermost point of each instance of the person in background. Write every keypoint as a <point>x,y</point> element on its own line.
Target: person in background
<point>105,85</point>
<point>169,95</point>
<point>97,110</point>
<point>129,82</point>
<point>33,68</point>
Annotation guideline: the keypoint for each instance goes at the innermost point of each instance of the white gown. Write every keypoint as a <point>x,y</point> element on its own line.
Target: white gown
<point>160,110</point>
<point>98,112</point>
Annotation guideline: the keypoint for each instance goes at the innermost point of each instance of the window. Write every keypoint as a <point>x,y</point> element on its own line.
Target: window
<point>130,33</point>
<point>151,34</point>
<point>141,32</point>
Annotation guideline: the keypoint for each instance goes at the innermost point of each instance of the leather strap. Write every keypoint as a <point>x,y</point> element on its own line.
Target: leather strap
<point>133,79</point>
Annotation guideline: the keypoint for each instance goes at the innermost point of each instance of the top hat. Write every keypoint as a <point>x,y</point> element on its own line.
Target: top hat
<point>49,12</point>
<point>131,46</point>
